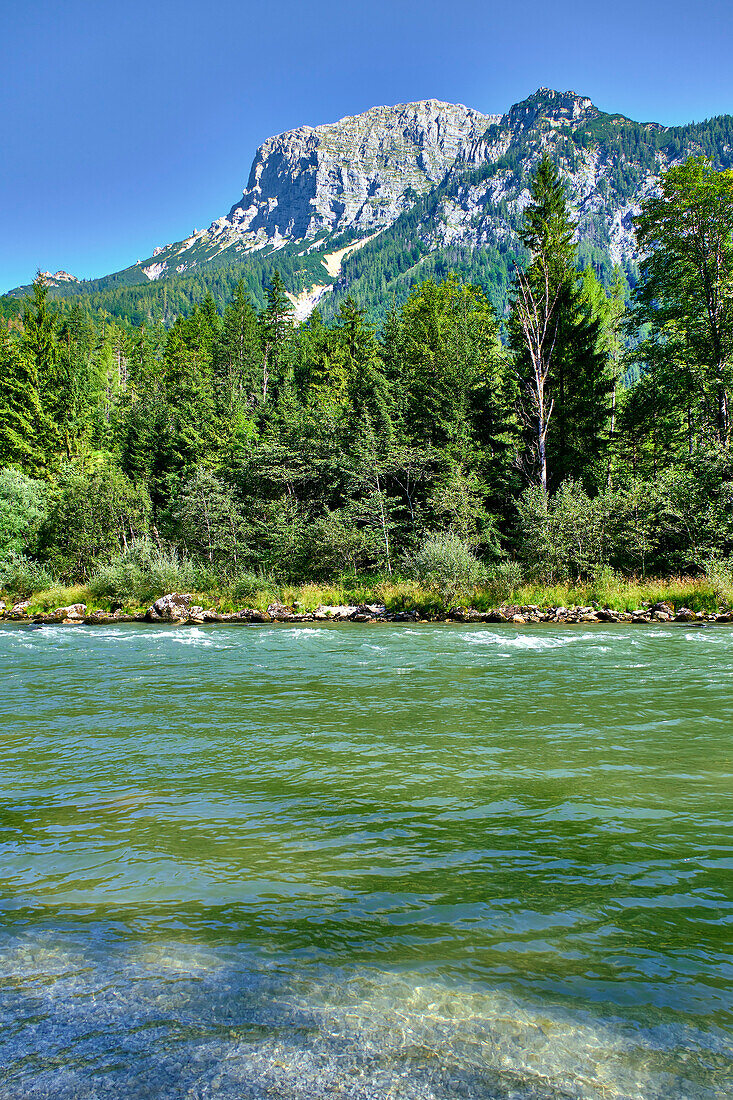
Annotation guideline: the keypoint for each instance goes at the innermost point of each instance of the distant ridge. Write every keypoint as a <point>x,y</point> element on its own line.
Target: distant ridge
<point>432,184</point>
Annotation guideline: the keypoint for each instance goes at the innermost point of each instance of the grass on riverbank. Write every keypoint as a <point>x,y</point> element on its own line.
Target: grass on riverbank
<point>398,594</point>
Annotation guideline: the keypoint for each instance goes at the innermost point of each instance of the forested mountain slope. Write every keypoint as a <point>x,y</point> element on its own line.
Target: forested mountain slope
<point>423,188</point>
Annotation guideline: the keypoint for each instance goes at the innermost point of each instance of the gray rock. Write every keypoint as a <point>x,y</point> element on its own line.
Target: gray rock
<point>280,613</point>
<point>73,611</point>
<point>360,173</point>
<point>171,608</point>
<point>335,612</point>
<point>249,615</point>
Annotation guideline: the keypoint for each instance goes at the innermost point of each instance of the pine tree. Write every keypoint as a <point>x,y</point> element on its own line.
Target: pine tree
<point>557,342</point>
<point>686,292</point>
<point>40,345</point>
<point>21,418</point>
<point>276,327</point>
<point>236,361</point>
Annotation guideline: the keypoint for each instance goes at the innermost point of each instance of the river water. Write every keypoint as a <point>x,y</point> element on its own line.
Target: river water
<point>411,862</point>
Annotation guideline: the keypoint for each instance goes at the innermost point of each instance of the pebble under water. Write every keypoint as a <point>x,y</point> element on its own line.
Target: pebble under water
<point>366,861</point>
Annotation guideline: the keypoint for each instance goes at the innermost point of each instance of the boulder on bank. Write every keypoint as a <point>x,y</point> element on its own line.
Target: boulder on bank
<point>280,612</point>
<point>496,616</point>
<point>335,612</point>
<point>99,618</point>
<point>249,615</point>
<point>685,615</point>
<point>73,611</point>
<point>173,608</point>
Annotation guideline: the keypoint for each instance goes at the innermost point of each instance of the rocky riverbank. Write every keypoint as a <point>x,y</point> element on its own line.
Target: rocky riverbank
<point>180,608</point>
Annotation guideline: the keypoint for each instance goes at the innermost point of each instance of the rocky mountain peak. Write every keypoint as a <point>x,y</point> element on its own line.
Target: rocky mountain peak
<point>358,173</point>
<point>58,277</point>
<point>555,108</point>
<point>460,177</point>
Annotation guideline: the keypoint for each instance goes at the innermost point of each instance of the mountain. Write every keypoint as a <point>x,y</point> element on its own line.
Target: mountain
<point>375,202</point>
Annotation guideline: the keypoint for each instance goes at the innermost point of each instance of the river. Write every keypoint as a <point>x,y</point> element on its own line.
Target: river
<point>382,861</point>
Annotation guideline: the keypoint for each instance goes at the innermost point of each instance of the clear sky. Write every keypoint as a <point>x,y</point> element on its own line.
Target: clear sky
<point>128,123</point>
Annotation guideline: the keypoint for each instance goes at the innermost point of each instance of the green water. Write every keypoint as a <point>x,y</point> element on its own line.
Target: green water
<point>366,862</point>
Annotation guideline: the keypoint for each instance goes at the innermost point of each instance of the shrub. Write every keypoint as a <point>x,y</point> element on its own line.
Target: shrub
<point>142,573</point>
<point>719,571</point>
<point>333,543</point>
<point>59,596</point>
<point>563,537</point>
<point>92,513</point>
<point>247,587</point>
<point>22,507</point>
<point>446,565</point>
<point>21,577</point>
<point>502,580</point>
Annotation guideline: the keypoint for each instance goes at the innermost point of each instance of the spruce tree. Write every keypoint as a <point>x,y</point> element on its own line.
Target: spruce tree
<point>40,345</point>
<point>276,328</point>
<point>686,290</point>
<point>236,361</point>
<point>21,418</point>
<point>557,342</point>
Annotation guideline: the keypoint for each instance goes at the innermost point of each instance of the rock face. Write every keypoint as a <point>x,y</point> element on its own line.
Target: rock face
<point>470,173</point>
<point>359,173</point>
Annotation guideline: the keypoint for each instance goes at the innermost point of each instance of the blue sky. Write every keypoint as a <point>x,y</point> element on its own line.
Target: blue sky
<point>126,124</point>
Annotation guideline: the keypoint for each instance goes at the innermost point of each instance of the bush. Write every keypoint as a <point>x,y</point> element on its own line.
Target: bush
<point>446,565</point>
<point>59,595</point>
<point>21,577</point>
<point>91,515</point>
<point>142,573</point>
<point>22,507</point>
<point>502,580</point>
<point>333,543</point>
<point>247,587</point>
<point>719,571</point>
<point>563,537</point>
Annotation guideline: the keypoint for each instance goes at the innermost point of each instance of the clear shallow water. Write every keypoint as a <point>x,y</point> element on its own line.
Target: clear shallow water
<point>366,862</point>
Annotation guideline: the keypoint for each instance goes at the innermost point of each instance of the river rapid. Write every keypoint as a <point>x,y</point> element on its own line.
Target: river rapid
<point>382,861</point>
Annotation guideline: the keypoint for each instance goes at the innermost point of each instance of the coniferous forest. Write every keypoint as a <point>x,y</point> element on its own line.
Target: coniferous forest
<point>581,437</point>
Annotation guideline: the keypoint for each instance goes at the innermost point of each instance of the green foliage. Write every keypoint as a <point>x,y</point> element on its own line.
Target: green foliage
<point>561,351</point>
<point>141,573</point>
<point>20,576</point>
<point>445,564</point>
<point>250,589</point>
<point>687,291</point>
<point>263,453</point>
<point>719,572</point>
<point>22,508</point>
<point>91,514</point>
<point>21,418</point>
<point>499,585</point>
<point>563,536</point>
<point>206,520</point>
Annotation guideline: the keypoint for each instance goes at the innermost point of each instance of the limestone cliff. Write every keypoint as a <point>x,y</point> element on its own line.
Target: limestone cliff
<point>420,179</point>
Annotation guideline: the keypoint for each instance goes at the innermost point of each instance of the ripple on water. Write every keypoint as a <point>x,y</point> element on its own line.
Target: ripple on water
<point>366,861</point>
